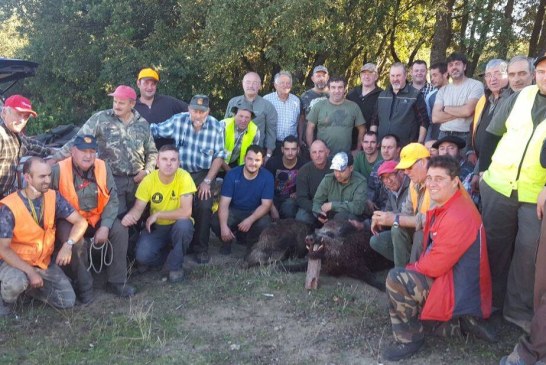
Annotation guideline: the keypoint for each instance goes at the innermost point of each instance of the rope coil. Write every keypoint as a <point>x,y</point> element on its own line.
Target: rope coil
<point>105,258</point>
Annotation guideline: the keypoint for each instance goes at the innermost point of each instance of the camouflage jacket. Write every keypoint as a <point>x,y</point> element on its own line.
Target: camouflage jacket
<point>128,149</point>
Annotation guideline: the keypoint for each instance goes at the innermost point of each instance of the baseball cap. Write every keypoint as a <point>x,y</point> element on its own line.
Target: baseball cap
<point>86,142</point>
<point>387,167</point>
<point>410,154</point>
<point>369,67</point>
<point>541,57</point>
<point>452,139</point>
<point>148,73</point>
<point>245,105</point>
<point>124,92</point>
<point>320,68</point>
<point>21,104</point>
<point>199,102</point>
<point>341,161</point>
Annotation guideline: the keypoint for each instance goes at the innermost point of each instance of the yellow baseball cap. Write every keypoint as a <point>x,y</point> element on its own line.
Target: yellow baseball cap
<point>411,154</point>
<point>148,73</point>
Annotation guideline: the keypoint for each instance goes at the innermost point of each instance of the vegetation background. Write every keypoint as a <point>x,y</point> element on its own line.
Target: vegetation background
<point>87,47</point>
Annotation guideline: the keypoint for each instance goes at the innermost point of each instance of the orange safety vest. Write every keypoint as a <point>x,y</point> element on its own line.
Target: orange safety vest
<point>32,243</point>
<point>67,190</point>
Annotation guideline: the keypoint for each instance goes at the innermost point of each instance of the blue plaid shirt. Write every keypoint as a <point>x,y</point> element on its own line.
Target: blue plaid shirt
<point>288,113</point>
<point>197,150</point>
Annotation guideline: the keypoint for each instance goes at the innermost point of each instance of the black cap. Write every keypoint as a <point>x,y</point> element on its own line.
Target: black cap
<point>540,58</point>
<point>453,139</point>
<point>87,142</point>
<point>199,102</point>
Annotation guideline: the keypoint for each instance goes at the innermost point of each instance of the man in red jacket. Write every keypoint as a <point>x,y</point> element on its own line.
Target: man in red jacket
<point>451,278</point>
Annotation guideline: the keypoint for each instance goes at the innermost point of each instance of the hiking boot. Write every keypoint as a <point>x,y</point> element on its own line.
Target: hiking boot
<point>141,268</point>
<point>202,258</point>
<point>5,308</point>
<point>225,249</point>
<point>512,360</point>
<point>398,351</point>
<point>86,297</point>
<point>471,325</point>
<point>176,276</point>
<point>521,323</point>
<point>121,290</point>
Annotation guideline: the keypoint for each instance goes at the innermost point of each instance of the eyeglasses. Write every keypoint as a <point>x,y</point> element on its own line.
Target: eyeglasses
<point>496,74</point>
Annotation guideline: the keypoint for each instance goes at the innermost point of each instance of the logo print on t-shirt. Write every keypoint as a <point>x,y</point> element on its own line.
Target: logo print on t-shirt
<point>157,198</point>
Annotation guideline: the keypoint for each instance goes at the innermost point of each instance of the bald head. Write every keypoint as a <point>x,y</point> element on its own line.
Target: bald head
<point>319,153</point>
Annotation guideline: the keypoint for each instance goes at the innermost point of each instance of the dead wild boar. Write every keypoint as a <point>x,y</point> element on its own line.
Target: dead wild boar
<point>282,240</point>
<point>344,251</point>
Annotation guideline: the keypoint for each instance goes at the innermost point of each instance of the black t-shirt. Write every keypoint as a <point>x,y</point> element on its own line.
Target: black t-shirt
<point>163,107</point>
<point>285,178</point>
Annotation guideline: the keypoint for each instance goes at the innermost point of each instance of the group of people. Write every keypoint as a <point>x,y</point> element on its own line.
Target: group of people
<point>449,177</point>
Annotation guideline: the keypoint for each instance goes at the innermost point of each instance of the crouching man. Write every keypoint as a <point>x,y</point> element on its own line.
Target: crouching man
<point>169,190</point>
<point>247,196</point>
<point>88,184</point>
<point>451,278</point>
<point>27,240</point>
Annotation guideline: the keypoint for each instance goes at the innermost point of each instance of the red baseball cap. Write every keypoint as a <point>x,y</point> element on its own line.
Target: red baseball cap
<point>21,104</point>
<point>387,167</point>
<point>124,92</point>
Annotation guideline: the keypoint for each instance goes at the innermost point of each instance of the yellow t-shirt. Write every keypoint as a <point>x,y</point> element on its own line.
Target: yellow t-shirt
<point>165,197</point>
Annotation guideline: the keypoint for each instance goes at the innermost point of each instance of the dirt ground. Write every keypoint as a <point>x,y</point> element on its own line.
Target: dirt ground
<point>223,314</point>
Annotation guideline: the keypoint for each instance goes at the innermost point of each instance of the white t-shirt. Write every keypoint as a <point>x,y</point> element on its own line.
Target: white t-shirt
<point>457,95</point>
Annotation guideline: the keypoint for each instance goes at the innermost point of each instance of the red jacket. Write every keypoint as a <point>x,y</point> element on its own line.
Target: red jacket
<point>455,256</point>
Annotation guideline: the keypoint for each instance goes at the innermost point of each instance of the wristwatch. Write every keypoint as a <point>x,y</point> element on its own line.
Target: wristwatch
<point>207,181</point>
<point>396,222</point>
<point>70,242</point>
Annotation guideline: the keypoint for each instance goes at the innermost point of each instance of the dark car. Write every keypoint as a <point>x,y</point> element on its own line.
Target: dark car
<point>12,70</point>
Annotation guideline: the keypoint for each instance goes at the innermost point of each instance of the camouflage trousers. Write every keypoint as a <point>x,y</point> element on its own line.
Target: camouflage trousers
<point>407,291</point>
<point>56,291</point>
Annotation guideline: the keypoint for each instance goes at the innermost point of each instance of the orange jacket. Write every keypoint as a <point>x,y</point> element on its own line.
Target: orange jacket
<point>32,243</point>
<point>67,190</point>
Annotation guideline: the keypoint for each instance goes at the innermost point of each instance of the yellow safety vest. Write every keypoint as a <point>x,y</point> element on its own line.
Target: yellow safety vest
<point>477,117</point>
<point>248,138</point>
<point>414,196</point>
<point>515,165</point>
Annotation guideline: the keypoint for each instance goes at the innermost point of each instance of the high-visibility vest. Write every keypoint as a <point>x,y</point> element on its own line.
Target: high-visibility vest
<point>414,196</point>
<point>32,243</point>
<point>515,164</point>
<point>68,191</point>
<point>248,138</point>
<point>477,116</point>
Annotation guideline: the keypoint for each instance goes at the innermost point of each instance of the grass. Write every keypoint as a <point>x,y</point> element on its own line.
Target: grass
<point>226,315</point>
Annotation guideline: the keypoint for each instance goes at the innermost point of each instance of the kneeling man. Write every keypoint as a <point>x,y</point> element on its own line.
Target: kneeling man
<point>247,196</point>
<point>451,278</point>
<point>27,240</point>
<point>88,184</point>
<point>169,190</point>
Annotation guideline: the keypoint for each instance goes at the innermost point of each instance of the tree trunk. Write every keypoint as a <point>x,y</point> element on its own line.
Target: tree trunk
<point>538,28</point>
<point>442,32</point>
<point>506,34</point>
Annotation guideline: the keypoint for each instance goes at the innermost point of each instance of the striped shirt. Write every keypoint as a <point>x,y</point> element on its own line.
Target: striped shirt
<point>197,149</point>
<point>288,113</point>
<point>13,147</point>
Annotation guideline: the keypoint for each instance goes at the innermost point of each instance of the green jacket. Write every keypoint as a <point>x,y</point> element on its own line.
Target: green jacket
<point>349,198</point>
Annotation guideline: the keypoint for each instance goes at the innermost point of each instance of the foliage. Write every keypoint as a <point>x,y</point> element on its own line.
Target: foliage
<point>87,47</point>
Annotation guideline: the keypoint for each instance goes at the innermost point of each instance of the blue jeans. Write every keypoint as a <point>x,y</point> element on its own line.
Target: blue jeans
<point>152,246</point>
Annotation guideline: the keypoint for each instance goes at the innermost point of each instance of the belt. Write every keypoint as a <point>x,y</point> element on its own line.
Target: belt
<point>454,133</point>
